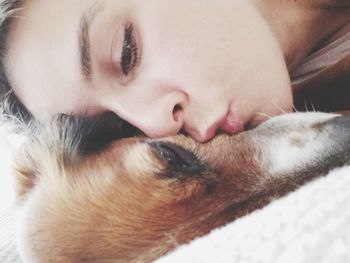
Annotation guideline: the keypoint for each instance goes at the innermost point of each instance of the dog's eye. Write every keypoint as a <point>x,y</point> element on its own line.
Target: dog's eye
<point>177,158</point>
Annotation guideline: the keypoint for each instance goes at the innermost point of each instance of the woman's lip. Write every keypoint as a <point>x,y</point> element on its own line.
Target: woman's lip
<point>232,124</point>
<point>229,124</point>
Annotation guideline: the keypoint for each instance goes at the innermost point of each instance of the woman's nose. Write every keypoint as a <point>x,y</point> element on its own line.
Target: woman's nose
<point>163,116</point>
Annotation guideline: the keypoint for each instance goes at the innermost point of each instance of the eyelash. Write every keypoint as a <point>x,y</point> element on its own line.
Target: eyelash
<point>129,56</point>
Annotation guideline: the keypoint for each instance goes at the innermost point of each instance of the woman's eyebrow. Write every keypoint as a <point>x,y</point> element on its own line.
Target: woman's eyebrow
<point>84,38</point>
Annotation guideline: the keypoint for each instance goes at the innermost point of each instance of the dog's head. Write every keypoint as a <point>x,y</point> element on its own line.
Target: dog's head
<point>135,199</point>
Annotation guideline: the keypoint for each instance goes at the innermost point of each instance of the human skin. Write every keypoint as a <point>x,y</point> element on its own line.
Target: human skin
<point>201,66</point>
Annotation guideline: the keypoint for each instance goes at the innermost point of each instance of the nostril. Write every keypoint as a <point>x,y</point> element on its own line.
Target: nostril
<point>177,112</point>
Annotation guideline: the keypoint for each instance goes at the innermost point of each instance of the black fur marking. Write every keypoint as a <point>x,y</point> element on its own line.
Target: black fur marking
<point>86,136</point>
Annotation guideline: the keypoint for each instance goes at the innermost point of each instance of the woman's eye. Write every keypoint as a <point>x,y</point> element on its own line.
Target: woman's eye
<point>129,54</point>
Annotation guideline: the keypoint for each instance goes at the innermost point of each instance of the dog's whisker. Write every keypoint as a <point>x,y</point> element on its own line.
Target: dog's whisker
<point>278,107</point>
<point>313,107</point>
<point>172,239</point>
<point>262,114</point>
<point>294,108</point>
<point>306,106</point>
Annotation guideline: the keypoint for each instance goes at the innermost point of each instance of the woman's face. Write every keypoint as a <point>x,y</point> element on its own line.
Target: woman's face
<point>161,65</point>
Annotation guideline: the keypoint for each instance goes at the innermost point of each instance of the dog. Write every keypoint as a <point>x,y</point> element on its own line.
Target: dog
<point>86,197</point>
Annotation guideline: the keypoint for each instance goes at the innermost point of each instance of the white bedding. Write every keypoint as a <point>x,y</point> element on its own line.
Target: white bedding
<point>309,225</point>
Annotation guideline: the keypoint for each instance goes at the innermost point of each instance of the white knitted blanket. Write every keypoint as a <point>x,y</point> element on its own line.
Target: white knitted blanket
<point>311,225</point>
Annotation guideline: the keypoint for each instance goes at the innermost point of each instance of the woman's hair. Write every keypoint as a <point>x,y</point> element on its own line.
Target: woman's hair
<point>9,102</point>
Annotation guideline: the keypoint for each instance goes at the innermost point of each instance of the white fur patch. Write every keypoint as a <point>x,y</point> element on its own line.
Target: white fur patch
<point>294,150</point>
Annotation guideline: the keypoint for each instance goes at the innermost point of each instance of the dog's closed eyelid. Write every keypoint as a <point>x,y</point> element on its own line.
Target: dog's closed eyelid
<point>176,158</point>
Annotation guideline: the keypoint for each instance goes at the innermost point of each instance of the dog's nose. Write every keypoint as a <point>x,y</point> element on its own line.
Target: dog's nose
<point>342,123</point>
<point>340,132</point>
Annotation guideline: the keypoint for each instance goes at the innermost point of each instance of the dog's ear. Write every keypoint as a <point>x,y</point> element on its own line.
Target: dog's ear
<point>63,142</point>
<point>25,172</point>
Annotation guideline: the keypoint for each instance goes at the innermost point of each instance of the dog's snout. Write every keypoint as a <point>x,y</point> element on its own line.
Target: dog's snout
<point>340,132</point>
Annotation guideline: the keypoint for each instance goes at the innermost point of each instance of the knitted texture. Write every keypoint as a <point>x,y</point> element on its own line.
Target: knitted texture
<point>310,225</point>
